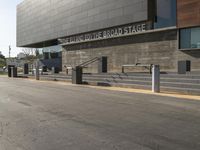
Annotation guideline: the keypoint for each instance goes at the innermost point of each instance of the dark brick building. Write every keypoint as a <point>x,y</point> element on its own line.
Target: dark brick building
<point>126,31</point>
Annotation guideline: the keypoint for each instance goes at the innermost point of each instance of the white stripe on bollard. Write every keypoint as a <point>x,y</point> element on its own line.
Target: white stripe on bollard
<point>156,79</point>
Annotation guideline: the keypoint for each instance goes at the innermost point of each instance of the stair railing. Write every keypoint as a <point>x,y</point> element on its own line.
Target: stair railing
<point>86,63</point>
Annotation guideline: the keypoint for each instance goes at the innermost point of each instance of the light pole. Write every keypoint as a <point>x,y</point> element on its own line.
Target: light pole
<point>9,50</point>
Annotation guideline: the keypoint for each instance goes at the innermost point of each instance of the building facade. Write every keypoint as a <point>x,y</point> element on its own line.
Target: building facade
<point>125,31</point>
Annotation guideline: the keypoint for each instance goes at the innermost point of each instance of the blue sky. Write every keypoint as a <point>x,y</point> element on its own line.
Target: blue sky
<point>8,26</point>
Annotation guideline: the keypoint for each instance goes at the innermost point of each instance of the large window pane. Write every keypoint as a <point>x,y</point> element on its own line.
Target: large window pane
<point>52,52</point>
<point>195,38</point>
<point>56,48</point>
<point>185,38</point>
<point>190,38</point>
<point>165,13</point>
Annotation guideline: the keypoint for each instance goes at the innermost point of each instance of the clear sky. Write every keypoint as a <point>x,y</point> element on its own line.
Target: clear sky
<point>8,26</point>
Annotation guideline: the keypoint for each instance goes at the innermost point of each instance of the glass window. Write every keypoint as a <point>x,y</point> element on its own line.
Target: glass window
<point>52,52</point>
<point>190,38</point>
<point>165,13</point>
<point>185,38</point>
<point>195,38</point>
<point>56,48</point>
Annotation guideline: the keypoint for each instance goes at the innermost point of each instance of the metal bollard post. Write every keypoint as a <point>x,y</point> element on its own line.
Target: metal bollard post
<point>12,72</point>
<point>53,70</point>
<point>26,69</point>
<point>77,74</point>
<point>156,79</point>
<point>37,71</point>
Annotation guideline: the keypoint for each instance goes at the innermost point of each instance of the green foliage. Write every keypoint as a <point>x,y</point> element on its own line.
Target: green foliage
<point>2,57</point>
<point>2,61</point>
<point>3,73</point>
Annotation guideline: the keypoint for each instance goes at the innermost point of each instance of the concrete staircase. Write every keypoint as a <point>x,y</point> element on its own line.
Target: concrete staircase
<point>186,84</point>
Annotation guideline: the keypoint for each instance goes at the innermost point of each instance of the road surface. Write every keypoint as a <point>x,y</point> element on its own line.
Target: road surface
<point>54,116</point>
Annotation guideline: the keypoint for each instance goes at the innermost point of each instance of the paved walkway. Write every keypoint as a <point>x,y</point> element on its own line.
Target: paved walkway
<point>58,116</point>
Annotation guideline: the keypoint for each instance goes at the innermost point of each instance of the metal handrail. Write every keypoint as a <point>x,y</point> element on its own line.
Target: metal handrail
<point>86,63</point>
<point>138,65</point>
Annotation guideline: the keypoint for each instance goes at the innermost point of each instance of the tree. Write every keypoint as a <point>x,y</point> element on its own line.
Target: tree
<point>29,51</point>
<point>37,53</point>
<point>2,61</point>
<point>2,56</point>
<point>31,54</point>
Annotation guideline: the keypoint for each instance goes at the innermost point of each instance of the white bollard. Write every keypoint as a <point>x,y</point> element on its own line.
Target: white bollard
<point>156,79</point>
<point>37,71</point>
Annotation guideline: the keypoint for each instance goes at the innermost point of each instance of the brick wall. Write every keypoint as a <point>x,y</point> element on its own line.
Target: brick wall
<point>188,13</point>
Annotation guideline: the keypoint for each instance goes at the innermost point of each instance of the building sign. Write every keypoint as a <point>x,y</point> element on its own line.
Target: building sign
<point>106,34</point>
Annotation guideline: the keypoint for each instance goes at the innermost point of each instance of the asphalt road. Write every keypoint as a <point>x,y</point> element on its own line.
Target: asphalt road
<point>53,116</point>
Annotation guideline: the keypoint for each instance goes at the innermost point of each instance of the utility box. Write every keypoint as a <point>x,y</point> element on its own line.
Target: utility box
<point>184,66</point>
<point>77,75</point>
<point>103,65</point>
<point>26,69</point>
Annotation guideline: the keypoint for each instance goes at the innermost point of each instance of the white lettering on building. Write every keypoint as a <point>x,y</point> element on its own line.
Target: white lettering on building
<point>104,34</point>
